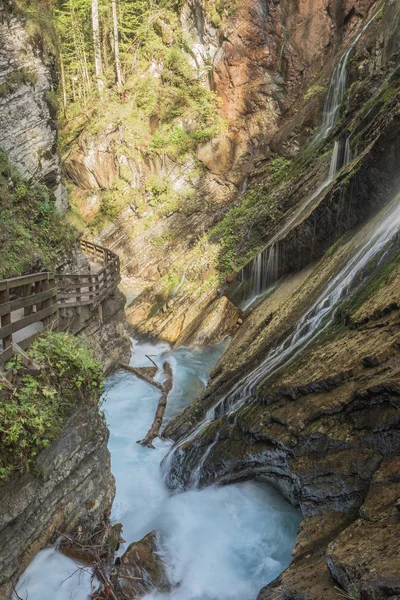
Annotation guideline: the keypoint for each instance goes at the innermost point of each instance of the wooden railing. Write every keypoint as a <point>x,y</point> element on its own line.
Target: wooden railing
<point>90,289</point>
<point>33,303</point>
<point>25,301</point>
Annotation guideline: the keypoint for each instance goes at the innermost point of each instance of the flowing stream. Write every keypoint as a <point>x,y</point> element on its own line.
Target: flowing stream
<point>218,543</point>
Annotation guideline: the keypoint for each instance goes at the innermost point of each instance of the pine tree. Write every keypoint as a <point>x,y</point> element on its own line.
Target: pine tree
<point>96,46</point>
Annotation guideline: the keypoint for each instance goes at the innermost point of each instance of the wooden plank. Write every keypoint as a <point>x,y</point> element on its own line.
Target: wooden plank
<point>26,321</point>
<point>26,302</point>
<point>5,320</point>
<point>15,282</point>
<point>6,355</point>
<point>66,305</point>
<point>70,286</point>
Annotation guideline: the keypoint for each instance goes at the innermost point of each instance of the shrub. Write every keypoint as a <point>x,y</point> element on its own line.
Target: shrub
<point>34,413</point>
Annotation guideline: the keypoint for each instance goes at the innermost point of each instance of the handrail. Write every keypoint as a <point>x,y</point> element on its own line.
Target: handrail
<point>39,299</point>
<point>90,289</point>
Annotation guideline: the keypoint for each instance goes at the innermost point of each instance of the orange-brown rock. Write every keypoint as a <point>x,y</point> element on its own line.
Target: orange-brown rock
<point>142,570</point>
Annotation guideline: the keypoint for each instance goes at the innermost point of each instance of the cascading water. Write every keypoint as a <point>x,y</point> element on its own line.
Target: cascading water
<point>264,268</point>
<point>337,88</point>
<point>219,543</point>
<point>317,318</point>
<point>263,271</point>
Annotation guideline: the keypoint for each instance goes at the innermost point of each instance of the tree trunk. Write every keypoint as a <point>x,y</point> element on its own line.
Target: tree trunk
<point>142,375</point>
<point>116,44</point>
<point>63,83</point>
<point>96,45</point>
<point>154,430</point>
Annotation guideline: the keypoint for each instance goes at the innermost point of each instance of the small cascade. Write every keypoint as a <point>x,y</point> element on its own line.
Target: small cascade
<point>337,88</point>
<point>180,284</point>
<point>319,316</point>
<point>263,271</point>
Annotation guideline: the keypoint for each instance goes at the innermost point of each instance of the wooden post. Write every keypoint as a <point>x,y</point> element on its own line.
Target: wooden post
<point>27,291</point>
<point>38,289</point>
<point>6,319</point>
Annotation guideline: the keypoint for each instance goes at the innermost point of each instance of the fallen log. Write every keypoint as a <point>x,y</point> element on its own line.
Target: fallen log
<point>142,375</point>
<point>154,430</point>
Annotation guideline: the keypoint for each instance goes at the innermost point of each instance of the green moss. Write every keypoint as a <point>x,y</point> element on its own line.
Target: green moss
<point>161,241</point>
<point>315,90</point>
<point>32,414</point>
<point>233,229</point>
<point>31,227</point>
<point>17,78</point>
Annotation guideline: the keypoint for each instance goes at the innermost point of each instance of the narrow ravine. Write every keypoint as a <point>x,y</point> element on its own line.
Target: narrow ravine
<point>221,543</point>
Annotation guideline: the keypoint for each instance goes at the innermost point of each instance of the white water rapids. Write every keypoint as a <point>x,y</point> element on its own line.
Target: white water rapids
<point>219,543</point>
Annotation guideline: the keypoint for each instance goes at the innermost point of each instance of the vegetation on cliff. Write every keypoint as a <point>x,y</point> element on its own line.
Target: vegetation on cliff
<point>34,409</point>
<point>32,230</point>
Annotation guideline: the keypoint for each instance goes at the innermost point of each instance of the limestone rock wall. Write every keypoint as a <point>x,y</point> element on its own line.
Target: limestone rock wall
<point>72,486</point>
<point>28,113</point>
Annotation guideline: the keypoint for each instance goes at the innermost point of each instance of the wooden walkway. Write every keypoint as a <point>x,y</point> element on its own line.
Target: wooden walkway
<point>34,303</point>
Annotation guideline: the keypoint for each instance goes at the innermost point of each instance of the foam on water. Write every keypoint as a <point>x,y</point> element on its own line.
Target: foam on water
<point>219,543</point>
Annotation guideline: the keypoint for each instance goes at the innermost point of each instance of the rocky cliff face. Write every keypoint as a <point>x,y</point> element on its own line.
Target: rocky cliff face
<point>72,486</point>
<point>270,67</point>
<point>323,426</point>
<point>28,104</point>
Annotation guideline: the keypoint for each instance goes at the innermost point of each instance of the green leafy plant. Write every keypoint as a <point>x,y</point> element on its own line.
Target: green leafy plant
<point>31,226</point>
<point>32,414</point>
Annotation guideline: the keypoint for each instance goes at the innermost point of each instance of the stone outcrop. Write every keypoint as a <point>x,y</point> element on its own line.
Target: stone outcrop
<point>28,105</point>
<point>264,58</point>
<point>72,486</point>
<point>324,430</point>
<point>142,570</point>
<point>183,322</point>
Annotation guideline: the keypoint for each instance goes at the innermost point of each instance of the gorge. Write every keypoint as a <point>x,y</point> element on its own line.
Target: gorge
<point>242,161</point>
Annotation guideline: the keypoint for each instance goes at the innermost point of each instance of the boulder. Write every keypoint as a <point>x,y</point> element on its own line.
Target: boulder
<point>142,570</point>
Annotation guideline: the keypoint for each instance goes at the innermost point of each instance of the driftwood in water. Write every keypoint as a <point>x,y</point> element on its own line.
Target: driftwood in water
<point>154,430</point>
<point>140,373</point>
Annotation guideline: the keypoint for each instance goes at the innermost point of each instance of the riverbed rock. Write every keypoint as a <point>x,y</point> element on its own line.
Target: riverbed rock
<point>142,570</point>
<point>72,485</point>
<point>324,431</point>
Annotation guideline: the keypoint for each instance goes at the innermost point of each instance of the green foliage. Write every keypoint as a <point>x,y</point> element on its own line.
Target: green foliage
<point>218,11</point>
<point>162,240</point>
<point>279,168</point>
<point>314,90</point>
<point>232,231</point>
<point>34,412</point>
<point>31,227</point>
<point>17,78</point>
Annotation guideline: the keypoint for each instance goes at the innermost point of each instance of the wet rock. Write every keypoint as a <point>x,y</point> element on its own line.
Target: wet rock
<point>369,362</point>
<point>141,569</point>
<point>72,485</point>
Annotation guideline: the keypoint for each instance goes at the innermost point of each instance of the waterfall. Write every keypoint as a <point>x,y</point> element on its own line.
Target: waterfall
<point>263,271</point>
<point>314,321</point>
<point>337,88</point>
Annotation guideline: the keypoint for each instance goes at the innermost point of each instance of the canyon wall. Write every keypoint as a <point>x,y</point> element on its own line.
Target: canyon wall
<point>323,426</point>
<point>28,99</point>
<point>269,63</point>
<point>71,485</point>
